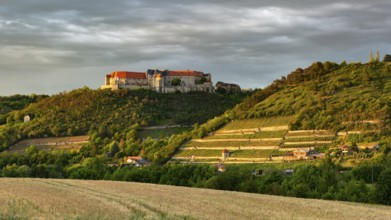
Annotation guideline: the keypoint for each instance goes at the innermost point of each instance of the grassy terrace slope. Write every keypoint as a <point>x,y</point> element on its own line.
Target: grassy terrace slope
<point>49,144</point>
<point>258,123</point>
<point>51,199</point>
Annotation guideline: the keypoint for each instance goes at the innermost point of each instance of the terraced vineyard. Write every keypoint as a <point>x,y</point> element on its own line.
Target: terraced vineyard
<point>235,155</point>
<point>49,144</point>
<point>248,141</point>
<point>308,138</point>
<point>253,135</point>
<point>264,123</point>
<point>253,141</point>
<point>227,143</point>
<point>258,141</point>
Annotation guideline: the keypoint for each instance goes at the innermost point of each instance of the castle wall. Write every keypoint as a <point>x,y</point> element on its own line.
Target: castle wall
<point>107,80</point>
<point>185,80</point>
<point>208,77</point>
<point>127,81</point>
<point>207,87</point>
<point>139,82</point>
<point>121,86</point>
<point>160,82</point>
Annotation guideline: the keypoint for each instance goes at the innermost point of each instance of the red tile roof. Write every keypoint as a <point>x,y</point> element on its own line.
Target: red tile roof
<point>133,158</point>
<point>288,154</point>
<point>185,73</point>
<point>127,75</point>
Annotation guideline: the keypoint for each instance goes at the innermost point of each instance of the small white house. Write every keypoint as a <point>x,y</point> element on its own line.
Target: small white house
<point>26,118</point>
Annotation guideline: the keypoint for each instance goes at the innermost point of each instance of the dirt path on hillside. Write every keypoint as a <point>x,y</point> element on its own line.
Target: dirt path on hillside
<point>237,139</point>
<point>307,136</point>
<point>195,158</point>
<point>232,148</point>
<point>307,142</point>
<point>246,130</point>
<point>164,127</point>
<point>229,160</point>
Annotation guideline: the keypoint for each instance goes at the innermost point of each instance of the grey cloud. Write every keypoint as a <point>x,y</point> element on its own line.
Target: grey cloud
<point>248,42</point>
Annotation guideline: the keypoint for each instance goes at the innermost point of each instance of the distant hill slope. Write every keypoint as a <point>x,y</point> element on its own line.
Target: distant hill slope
<point>327,96</point>
<point>16,102</point>
<point>51,199</point>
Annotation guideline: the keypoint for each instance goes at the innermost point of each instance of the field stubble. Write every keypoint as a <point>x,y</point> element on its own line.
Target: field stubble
<point>64,199</point>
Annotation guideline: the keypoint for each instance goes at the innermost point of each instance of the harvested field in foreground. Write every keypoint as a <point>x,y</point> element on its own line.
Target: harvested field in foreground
<point>71,199</point>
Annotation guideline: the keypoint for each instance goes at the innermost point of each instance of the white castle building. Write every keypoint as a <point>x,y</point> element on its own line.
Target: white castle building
<point>162,81</point>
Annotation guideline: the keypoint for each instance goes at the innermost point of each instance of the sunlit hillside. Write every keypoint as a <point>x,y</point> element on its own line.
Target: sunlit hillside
<point>318,108</point>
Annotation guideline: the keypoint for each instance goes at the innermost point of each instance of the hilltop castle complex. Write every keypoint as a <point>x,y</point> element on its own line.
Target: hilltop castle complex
<point>162,81</point>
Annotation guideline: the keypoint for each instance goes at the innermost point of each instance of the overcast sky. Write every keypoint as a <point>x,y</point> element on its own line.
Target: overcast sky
<point>49,46</point>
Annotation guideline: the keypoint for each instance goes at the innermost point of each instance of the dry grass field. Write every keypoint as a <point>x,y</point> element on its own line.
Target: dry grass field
<point>41,141</point>
<point>68,147</point>
<point>79,199</point>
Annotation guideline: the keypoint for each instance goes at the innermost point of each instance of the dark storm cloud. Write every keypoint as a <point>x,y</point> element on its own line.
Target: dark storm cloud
<point>50,46</point>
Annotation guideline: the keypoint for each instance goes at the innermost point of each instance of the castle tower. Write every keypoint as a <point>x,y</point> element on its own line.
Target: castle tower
<point>107,79</point>
<point>159,82</point>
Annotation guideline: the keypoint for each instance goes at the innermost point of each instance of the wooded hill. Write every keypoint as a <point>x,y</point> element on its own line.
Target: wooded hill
<point>16,102</point>
<point>109,115</point>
